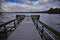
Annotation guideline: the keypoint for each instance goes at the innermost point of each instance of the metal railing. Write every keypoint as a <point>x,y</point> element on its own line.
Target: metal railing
<point>44,26</point>
<point>15,22</point>
<point>41,32</point>
<point>51,29</point>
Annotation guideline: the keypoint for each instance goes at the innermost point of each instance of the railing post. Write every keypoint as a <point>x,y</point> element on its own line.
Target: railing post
<point>42,33</point>
<point>21,19</point>
<point>18,20</point>
<point>37,24</point>
<point>14,24</point>
<point>5,31</point>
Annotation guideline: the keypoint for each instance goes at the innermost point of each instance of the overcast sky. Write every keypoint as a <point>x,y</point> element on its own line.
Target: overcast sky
<point>37,4</point>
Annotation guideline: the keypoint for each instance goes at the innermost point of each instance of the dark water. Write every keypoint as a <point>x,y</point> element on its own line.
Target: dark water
<point>52,20</point>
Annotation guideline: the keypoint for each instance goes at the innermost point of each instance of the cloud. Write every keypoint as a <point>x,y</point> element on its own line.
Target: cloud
<point>17,7</point>
<point>40,5</point>
<point>43,0</point>
<point>55,4</point>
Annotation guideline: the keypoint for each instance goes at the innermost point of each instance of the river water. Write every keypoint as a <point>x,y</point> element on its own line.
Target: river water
<point>52,20</point>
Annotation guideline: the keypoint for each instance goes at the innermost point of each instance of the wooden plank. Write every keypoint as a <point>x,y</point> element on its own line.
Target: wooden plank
<point>26,31</point>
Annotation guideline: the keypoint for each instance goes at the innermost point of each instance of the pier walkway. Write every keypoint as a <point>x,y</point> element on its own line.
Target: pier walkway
<point>25,31</point>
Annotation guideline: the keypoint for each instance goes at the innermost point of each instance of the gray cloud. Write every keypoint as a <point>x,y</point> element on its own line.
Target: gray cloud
<point>39,5</point>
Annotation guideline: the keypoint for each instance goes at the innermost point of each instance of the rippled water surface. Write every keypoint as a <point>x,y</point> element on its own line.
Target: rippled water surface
<point>52,20</point>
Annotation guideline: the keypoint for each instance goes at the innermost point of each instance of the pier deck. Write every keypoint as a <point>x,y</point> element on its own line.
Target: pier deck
<point>25,31</point>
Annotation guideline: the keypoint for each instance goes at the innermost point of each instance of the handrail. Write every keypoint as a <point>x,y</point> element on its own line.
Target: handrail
<point>8,22</point>
<point>5,30</point>
<point>51,29</point>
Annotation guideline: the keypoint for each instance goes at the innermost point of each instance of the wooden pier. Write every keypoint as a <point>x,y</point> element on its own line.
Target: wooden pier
<point>26,31</point>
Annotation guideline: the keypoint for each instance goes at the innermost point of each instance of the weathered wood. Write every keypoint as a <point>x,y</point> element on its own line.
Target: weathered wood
<point>26,31</point>
<point>6,30</point>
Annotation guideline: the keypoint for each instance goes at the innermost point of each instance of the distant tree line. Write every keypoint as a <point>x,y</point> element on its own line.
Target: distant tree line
<point>55,10</point>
